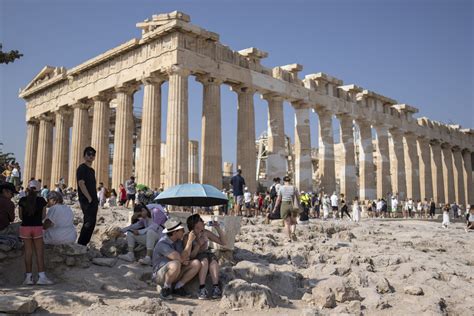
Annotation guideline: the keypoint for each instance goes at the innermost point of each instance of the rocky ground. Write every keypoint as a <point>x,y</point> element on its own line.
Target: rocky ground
<point>376,267</point>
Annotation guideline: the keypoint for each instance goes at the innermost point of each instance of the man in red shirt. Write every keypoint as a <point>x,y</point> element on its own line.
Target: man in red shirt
<point>7,209</point>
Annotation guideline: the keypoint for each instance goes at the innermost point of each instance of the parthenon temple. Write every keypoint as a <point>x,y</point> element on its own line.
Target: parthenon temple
<point>417,157</point>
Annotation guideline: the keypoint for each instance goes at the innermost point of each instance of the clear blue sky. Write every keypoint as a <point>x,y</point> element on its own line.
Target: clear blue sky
<point>418,52</point>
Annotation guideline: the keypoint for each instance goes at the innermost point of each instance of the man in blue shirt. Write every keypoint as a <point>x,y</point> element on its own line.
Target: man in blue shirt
<point>238,183</point>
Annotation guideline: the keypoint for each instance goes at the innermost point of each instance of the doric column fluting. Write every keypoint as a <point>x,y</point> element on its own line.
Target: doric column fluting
<point>149,164</point>
<point>348,168</point>
<point>412,170</point>
<point>45,149</point>
<point>60,160</point>
<point>193,162</point>
<point>426,179</point>
<point>448,174</point>
<point>437,172</point>
<point>80,128</point>
<point>177,132</point>
<point>100,138</point>
<point>366,162</point>
<point>327,169</point>
<point>384,185</point>
<point>211,139</point>
<point>246,152</point>
<point>468,184</point>
<point>397,165</point>
<point>276,153</point>
<point>303,166</point>
<point>123,138</point>
<point>31,150</point>
<point>459,192</point>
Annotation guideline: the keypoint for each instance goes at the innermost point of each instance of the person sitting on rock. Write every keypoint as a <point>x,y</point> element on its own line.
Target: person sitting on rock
<point>145,232</point>
<point>7,210</point>
<point>58,225</point>
<point>470,219</point>
<point>171,263</point>
<point>200,251</point>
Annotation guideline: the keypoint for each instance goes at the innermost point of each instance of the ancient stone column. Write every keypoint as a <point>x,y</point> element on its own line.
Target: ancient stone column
<point>177,135</point>
<point>276,153</point>
<point>459,192</point>
<point>211,140</point>
<point>426,180</point>
<point>397,165</point>
<point>60,160</point>
<point>123,138</point>
<point>412,170</point>
<point>80,126</point>
<point>31,150</point>
<point>45,150</point>
<point>448,174</point>
<point>467,171</point>
<point>437,172</point>
<point>366,162</point>
<point>327,169</point>
<point>303,166</point>
<point>246,152</point>
<point>100,139</point>
<point>193,162</point>
<point>148,165</point>
<point>384,185</point>
<point>348,169</point>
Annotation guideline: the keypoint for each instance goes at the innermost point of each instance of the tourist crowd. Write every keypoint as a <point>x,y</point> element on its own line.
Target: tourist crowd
<point>177,251</point>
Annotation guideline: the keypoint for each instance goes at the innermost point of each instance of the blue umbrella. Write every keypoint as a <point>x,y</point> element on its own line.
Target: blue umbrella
<point>192,194</point>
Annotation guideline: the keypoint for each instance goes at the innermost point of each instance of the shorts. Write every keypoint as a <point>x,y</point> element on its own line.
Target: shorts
<point>31,232</point>
<point>247,205</point>
<point>207,255</point>
<point>159,276</point>
<point>240,200</point>
<point>287,210</point>
<point>335,208</point>
<point>130,197</point>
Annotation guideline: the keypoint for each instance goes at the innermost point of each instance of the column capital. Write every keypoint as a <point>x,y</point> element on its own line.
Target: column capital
<point>177,70</point>
<point>155,79</point>
<point>456,148</point>
<point>321,110</point>
<point>128,89</point>
<point>435,142</point>
<point>446,145</point>
<point>103,97</point>
<point>209,79</point>
<point>81,105</point>
<point>344,116</point>
<point>242,89</point>
<point>46,117</point>
<point>466,151</point>
<point>300,105</point>
<point>64,110</point>
<point>362,122</point>
<point>272,97</point>
<point>33,121</point>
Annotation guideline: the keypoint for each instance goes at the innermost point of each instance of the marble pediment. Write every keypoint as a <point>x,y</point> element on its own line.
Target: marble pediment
<point>46,74</point>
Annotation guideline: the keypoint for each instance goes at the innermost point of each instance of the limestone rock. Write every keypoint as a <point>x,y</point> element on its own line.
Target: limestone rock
<point>341,289</point>
<point>324,298</point>
<point>71,249</point>
<point>413,290</point>
<point>284,283</point>
<point>17,304</point>
<point>383,286</point>
<point>239,294</point>
<point>147,305</point>
<point>106,262</point>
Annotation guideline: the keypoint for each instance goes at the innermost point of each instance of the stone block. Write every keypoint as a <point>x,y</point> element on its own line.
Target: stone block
<point>17,304</point>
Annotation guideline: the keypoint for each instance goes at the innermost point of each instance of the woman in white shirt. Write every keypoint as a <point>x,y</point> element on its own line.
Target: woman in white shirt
<point>356,210</point>
<point>58,225</point>
<point>287,195</point>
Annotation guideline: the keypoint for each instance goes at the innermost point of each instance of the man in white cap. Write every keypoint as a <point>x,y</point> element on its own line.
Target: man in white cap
<point>171,264</point>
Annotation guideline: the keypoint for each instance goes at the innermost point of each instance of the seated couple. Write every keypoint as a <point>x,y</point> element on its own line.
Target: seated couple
<point>145,230</point>
<point>178,257</point>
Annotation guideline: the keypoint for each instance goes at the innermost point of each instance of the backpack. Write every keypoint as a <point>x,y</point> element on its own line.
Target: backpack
<point>273,192</point>
<point>107,193</point>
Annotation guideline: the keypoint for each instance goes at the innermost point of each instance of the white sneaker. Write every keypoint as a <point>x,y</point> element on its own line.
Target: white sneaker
<point>29,280</point>
<point>44,281</point>
<point>145,261</point>
<point>130,257</point>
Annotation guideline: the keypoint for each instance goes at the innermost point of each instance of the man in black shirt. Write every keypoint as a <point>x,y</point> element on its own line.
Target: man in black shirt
<point>238,183</point>
<point>86,187</point>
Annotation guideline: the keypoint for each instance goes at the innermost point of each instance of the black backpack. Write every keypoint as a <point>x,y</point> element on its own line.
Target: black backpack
<point>273,192</point>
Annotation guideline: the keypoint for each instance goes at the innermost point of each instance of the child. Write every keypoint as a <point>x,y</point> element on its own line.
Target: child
<point>445,216</point>
<point>470,219</point>
<point>32,211</point>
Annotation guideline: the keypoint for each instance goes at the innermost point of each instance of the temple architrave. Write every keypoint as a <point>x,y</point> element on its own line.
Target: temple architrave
<point>417,158</point>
